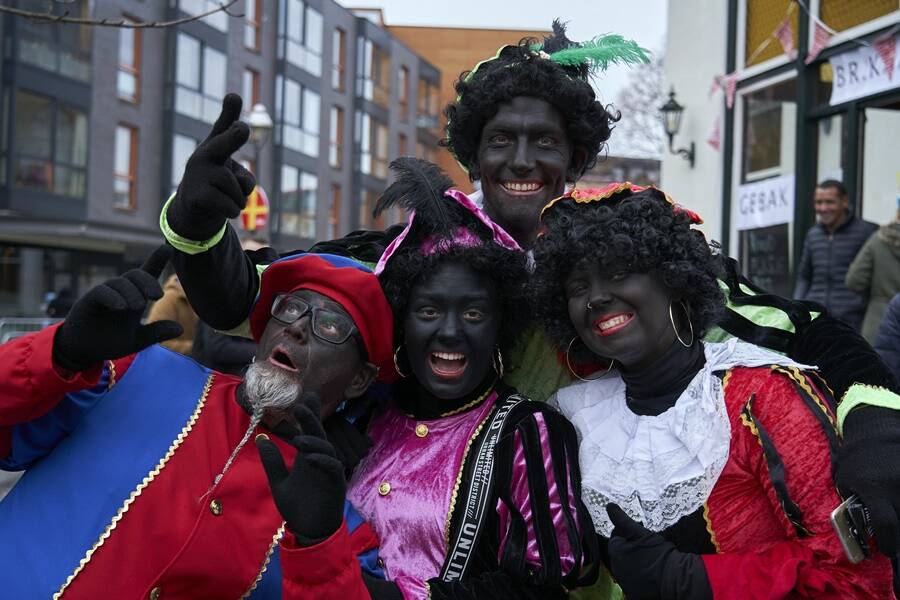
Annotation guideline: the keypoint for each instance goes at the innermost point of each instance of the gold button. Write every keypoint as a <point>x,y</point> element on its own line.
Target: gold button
<point>215,507</point>
<point>260,436</point>
<point>156,593</point>
<point>385,488</point>
<point>380,562</point>
<point>421,430</point>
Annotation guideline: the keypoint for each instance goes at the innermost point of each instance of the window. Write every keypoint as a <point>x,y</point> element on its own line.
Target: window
<point>129,78</point>
<point>841,15</point>
<point>770,117</point>
<point>427,104</point>
<point>372,72</point>
<point>425,152</point>
<point>298,202</point>
<point>763,17</point>
<point>51,146</point>
<point>218,20</point>
<point>252,20</point>
<point>334,213</point>
<point>199,78</point>
<point>250,88</point>
<point>125,169</point>
<point>339,54</point>
<point>367,201</point>
<point>63,48</point>
<point>372,140</point>
<point>297,109</point>
<point>402,145</point>
<point>182,148</point>
<point>300,35</point>
<point>336,138</point>
<point>403,93</point>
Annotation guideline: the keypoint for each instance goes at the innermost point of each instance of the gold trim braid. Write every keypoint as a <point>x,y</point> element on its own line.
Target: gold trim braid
<point>275,539</point>
<point>709,529</point>
<point>140,488</point>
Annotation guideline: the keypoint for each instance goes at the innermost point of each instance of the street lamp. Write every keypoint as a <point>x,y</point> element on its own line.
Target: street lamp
<point>260,125</point>
<point>671,117</point>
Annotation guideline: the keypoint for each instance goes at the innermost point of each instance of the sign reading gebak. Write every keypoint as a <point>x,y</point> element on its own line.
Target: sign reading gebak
<point>861,72</point>
<point>764,203</point>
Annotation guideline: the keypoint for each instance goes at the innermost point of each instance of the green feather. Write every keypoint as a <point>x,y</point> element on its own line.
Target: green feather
<point>601,52</point>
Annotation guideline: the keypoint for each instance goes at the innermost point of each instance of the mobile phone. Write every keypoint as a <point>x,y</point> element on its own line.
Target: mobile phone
<point>853,527</point>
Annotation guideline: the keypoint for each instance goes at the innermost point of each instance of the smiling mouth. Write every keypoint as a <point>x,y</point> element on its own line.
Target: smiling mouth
<point>609,324</point>
<point>281,359</point>
<point>522,187</point>
<point>448,365</point>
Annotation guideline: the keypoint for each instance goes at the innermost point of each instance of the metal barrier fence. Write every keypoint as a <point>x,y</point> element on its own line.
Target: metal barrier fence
<point>13,327</point>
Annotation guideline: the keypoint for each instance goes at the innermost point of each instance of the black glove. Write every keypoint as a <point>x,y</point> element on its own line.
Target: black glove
<point>647,565</point>
<point>310,496</point>
<point>105,323</point>
<point>868,464</point>
<point>350,444</point>
<point>214,186</point>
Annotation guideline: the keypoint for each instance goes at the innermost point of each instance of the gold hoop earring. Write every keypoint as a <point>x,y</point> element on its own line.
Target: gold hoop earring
<point>497,357</point>
<point>675,329</point>
<point>576,375</point>
<point>397,362</point>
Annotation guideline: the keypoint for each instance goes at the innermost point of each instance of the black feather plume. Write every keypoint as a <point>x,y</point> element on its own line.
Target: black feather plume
<point>420,186</point>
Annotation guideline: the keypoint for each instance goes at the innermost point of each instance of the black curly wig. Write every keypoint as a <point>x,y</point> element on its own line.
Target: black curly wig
<point>632,231</point>
<point>518,71</point>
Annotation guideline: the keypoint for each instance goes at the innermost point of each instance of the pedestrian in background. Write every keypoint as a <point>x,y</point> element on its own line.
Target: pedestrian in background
<point>887,337</point>
<point>875,272</point>
<point>829,248</point>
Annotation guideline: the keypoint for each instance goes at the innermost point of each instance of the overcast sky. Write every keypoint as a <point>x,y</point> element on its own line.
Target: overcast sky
<point>641,20</point>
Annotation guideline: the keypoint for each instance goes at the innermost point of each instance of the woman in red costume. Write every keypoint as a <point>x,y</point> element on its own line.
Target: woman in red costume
<point>706,465</point>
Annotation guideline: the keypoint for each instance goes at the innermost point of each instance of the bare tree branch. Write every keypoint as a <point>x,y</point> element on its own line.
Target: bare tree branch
<point>49,17</point>
<point>640,131</point>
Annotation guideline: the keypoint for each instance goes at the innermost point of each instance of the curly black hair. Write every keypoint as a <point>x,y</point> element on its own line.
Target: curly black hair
<point>481,92</point>
<point>505,269</point>
<point>632,231</point>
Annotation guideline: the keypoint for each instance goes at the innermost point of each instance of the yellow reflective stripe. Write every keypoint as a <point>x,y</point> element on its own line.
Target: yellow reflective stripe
<point>869,395</point>
<point>181,243</point>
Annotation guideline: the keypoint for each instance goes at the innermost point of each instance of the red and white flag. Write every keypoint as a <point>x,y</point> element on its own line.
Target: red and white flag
<point>820,40</point>
<point>715,138</point>
<point>730,83</point>
<point>716,85</point>
<point>785,35</point>
<point>886,47</point>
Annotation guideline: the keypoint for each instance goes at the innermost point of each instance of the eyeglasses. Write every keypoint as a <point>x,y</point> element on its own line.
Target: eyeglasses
<point>327,325</point>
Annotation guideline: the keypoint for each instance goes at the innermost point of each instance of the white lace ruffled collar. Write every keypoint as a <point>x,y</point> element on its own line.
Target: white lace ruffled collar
<point>656,468</point>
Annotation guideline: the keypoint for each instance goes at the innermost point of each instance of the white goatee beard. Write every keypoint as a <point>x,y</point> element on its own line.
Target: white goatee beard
<point>270,390</point>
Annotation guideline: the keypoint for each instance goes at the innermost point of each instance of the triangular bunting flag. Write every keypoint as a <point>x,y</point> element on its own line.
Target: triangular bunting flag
<point>785,35</point>
<point>820,40</point>
<point>730,87</point>
<point>715,138</point>
<point>886,47</point>
<point>716,85</point>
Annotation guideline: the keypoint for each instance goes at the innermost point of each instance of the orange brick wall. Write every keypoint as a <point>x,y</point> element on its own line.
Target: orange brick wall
<point>453,51</point>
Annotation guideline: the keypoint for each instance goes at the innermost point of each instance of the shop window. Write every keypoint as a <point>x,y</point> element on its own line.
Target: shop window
<point>63,48</point>
<point>770,117</point>
<point>831,148</point>
<point>297,109</point>
<point>373,66</point>
<point>125,168</point>
<point>199,79</point>
<point>298,202</point>
<point>51,146</point>
<point>300,35</point>
<point>252,24</point>
<point>129,76</point>
<point>182,148</point>
<point>844,14</point>
<point>217,20</point>
<point>372,141</point>
<point>339,58</point>
<point>336,138</point>
<point>764,17</point>
<point>880,178</point>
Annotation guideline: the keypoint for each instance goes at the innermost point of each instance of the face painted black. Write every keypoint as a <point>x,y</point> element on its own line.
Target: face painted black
<point>451,328</point>
<point>332,371</point>
<point>629,316</point>
<point>524,159</point>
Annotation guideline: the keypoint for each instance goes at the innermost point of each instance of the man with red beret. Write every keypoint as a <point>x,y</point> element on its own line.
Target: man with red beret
<point>139,481</point>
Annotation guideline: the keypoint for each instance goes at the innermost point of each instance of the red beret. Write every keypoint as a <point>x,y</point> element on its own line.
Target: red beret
<point>347,282</point>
